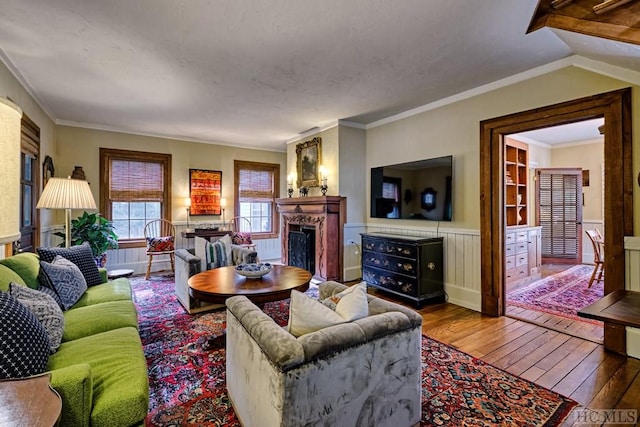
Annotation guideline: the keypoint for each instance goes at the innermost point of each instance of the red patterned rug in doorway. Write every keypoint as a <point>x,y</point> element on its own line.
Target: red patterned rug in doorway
<point>562,294</point>
<point>187,379</point>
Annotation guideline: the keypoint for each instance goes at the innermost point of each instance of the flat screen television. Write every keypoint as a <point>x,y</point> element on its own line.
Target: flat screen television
<point>414,190</point>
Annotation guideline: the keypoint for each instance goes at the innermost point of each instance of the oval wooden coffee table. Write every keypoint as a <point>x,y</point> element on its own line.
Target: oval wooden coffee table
<point>218,284</point>
<point>221,283</point>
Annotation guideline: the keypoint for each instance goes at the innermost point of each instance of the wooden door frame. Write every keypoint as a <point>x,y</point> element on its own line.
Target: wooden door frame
<point>615,107</point>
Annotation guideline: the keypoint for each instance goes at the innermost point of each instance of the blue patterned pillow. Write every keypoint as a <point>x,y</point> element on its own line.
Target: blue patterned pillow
<point>45,308</point>
<point>80,255</point>
<point>25,345</point>
<point>64,277</point>
<point>216,253</point>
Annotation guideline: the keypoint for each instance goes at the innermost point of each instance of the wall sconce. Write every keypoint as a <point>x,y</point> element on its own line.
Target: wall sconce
<point>187,201</point>
<point>323,180</point>
<point>223,205</point>
<point>290,185</point>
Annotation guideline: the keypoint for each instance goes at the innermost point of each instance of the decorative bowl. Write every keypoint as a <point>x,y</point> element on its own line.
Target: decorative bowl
<point>253,271</point>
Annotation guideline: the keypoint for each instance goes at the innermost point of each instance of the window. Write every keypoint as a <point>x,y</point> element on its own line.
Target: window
<point>391,191</point>
<point>135,189</point>
<point>256,189</point>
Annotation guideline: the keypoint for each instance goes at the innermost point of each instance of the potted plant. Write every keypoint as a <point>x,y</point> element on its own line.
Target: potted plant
<point>97,231</point>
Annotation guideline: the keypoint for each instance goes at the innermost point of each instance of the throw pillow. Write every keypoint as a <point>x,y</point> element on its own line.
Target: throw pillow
<point>241,238</point>
<point>216,254</point>
<point>66,279</point>
<point>80,255</point>
<point>45,309</point>
<point>351,304</point>
<point>25,345</point>
<point>47,290</point>
<point>160,244</point>
<point>308,315</point>
<point>226,241</point>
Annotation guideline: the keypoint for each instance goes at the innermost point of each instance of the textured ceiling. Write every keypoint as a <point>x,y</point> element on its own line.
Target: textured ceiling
<point>257,73</point>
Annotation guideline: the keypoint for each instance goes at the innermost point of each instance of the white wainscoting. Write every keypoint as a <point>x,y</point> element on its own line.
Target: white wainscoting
<point>461,258</point>
<point>632,283</point>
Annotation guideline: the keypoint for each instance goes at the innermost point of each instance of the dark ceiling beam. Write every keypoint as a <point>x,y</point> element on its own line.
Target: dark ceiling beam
<point>616,19</point>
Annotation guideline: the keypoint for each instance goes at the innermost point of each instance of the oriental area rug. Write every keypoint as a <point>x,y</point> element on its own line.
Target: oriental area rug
<point>188,388</point>
<point>562,294</point>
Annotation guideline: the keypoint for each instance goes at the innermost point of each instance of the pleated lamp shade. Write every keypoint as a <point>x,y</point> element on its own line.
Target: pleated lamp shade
<point>67,194</point>
<point>10,115</point>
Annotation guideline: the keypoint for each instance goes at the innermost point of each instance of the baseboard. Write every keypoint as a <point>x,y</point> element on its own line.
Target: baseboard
<point>467,298</point>
<point>352,273</point>
<point>633,342</point>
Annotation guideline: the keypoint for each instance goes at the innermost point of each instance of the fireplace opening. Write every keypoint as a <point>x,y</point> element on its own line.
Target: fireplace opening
<point>302,248</point>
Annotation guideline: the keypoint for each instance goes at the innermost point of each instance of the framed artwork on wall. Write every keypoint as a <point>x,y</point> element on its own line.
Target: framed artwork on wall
<point>309,157</point>
<point>205,191</point>
<point>48,170</point>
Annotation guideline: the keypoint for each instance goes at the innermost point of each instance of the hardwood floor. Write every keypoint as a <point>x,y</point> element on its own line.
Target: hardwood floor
<point>574,367</point>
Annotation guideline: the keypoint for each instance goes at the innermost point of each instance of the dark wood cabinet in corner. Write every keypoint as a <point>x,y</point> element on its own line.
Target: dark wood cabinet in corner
<point>411,267</point>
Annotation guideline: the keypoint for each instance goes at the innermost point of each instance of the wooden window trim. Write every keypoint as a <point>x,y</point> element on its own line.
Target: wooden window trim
<point>108,154</point>
<point>274,168</point>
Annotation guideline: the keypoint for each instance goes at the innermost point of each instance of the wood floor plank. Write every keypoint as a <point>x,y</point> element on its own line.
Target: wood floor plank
<point>559,371</point>
<point>499,353</point>
<point>580,373</point>
<point>613,391</point>
<point>592,385</point>
<point>516,330</point>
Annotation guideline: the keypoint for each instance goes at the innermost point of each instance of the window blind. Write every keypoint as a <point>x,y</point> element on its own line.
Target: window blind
<point>139,181</point>
<point>256,185</point>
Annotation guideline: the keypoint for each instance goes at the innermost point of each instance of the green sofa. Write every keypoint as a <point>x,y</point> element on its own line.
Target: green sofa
<point>99,370</point>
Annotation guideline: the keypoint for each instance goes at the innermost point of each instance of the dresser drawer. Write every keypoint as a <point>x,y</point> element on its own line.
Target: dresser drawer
<point>389,262</point>
<point>522,247</point>
<point>389,247</point>
<point>510,262</point>
<point>516,273</point>
<point>391,281</point>
<point>510,250</point>
<point>522,259</point>
<point>522,236</point>
<point>510,238</point>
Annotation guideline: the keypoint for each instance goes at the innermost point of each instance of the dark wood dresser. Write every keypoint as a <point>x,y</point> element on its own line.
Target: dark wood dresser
<point>411,267</point>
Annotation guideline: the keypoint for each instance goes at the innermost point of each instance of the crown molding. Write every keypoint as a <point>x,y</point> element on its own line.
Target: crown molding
<point>115,129</point>
<point>25,84</point>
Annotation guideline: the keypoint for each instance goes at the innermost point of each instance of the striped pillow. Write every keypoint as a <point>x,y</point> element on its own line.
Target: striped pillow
<point>216,253</point>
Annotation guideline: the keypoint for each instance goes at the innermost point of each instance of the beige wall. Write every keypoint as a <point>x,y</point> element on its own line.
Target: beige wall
<point>454,129</point>
<point>80,147</point>
<point>11,88</point>
<point>588,157</point>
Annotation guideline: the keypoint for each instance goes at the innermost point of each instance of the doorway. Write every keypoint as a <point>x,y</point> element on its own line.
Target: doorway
<point>615,107</point>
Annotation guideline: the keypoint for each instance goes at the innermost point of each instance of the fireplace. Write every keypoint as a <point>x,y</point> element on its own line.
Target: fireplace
<point>317,223</point>
<point>302,248</point>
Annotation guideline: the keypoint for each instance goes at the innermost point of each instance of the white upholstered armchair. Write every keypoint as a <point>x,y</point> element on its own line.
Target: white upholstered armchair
<point>362,373</point>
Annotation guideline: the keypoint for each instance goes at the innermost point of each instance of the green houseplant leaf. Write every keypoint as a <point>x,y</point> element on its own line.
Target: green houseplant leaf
<point>94,229</point>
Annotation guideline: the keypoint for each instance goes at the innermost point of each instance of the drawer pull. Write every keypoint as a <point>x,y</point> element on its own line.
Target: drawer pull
<point>431,266</point>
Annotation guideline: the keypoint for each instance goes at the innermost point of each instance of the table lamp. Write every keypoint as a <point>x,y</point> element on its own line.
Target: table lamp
<point>67,194</point>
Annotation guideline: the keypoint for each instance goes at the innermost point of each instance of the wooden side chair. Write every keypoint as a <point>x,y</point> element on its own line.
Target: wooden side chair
<point>240,228</point>
<point>598,255</point>
<point>160,236</point>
